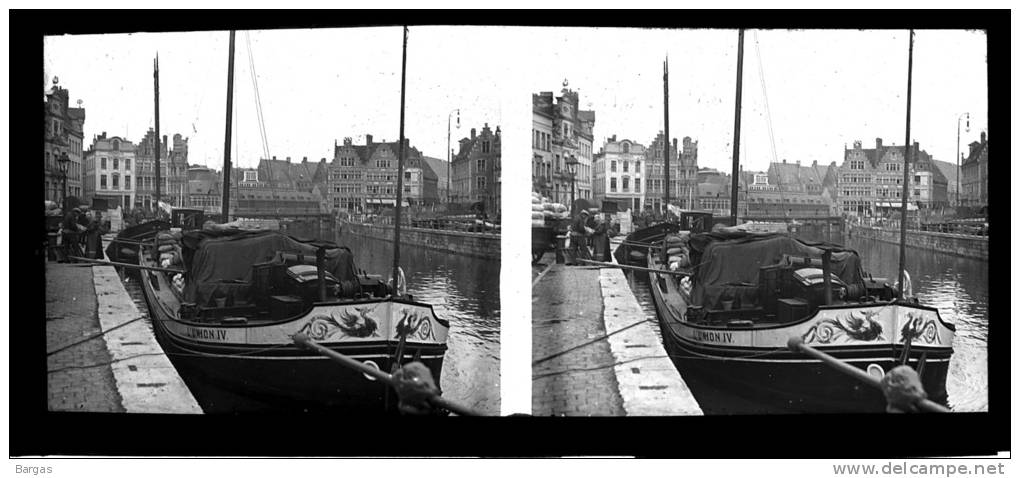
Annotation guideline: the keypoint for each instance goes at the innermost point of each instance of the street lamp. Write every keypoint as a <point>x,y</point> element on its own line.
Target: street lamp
<point>959,192</point>
<point>63,162</point>
<point>572,168</point>
<point>449,152</point>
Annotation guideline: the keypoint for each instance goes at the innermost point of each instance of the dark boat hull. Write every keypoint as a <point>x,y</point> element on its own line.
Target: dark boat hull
<point>633,252</point>
<point>773,386</point>
<point>291,381</point>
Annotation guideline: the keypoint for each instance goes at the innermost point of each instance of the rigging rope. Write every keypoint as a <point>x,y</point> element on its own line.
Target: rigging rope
<point>258,97</point>
<point>768,115</point>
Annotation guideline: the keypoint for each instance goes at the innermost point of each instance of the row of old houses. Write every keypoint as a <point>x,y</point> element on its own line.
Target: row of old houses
<point>359,178</point>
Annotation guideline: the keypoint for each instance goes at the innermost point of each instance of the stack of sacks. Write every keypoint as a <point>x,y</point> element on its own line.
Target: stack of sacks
<point>169,249</point>
<point>677,250</point>
<point>537,211</point>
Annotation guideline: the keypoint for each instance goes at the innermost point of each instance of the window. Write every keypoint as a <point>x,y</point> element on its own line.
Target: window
<point>127,164</point>
<point>637,185</point>
<point>127,182</point>
<point>626,148</point>
<point>626,166</point>
<point>480,165</point>
<point>637,166</point>
<point>102,163</point>
<point>612,166</point>
<point>102,181</point>
<point>407,175</point>
<point>480,182</point>
<point>250,176</point>
<point>485,146</point>
<point>407,189</point>
<point>626,183</point>
<point>116,163</point>
<point>612,184</point>
<point>917,179</point>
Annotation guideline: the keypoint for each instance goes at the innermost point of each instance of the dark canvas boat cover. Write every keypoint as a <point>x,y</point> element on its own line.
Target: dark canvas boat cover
<point>729,263</point>
<point>217,259</point>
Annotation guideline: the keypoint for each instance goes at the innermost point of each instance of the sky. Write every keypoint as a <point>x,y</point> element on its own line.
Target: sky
<point>316,86</point>
<point>825,88</point>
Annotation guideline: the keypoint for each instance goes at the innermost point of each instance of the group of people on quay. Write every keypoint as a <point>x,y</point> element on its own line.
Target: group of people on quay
<point>80,230</point>
<point>589,236</point>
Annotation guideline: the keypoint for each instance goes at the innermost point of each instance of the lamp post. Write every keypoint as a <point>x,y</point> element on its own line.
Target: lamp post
<point>959,192</point>
<point>63,162</point>
<point>449,152</point>
<point>572,169</point>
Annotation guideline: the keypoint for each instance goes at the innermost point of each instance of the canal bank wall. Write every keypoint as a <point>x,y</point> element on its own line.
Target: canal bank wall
<point>974,247</point>
<point>472,244</point>
<point>102,356</point>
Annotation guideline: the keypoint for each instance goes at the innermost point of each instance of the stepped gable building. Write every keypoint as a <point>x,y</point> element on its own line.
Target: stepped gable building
<point>683,174</point>
<point>173,172</point>
<point>111,172</point>
<point>562,132</point>
<point>363,178</point>
<point>618,170</point>
<point>476,170</point>
<point>870,181</point>
<point>63,133</point>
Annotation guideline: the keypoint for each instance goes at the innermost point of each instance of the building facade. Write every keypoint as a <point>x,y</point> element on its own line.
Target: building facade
<point>870,181</point>
<point>205,189</point>
<point>63,128</point>
<point>683,174</point>
<point>111,171</point>
<point>572,140</point>
<point>974,175</point>
<point>173,174</point>
<point>618,174</point>
<point>363,178</point>
<point>541,145</point>
<point>475,169</point>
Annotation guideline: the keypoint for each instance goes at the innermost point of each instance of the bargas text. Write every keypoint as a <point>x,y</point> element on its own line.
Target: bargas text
<point>35,470</point>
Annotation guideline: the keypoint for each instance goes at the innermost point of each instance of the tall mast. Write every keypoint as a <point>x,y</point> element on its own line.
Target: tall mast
<point>400,169</point>
<point>665,101</point>
<point>226,142</point>
<point>155,80</point>
<point>906,170</point>
<point>736,128</point>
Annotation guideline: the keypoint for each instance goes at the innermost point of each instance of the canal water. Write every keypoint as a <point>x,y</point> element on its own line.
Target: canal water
<point>462,290</point>
<point>957,286</point>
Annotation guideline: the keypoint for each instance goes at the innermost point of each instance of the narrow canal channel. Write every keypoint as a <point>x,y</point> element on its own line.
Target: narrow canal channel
<point>957,286</point>
<point>462,290</point>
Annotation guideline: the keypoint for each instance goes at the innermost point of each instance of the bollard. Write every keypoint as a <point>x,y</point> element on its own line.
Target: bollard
<point>561,244</point>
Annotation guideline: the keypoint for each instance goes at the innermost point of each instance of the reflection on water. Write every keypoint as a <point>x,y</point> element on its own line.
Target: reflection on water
<point>462,290</point>
<point>957,286</point>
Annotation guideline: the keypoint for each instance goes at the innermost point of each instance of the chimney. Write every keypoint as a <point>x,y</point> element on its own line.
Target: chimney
<point>472,133</point>
<point>878,143</point>
<point>917,147</point>
<point>368,139</point>
<point>984,137</point>
<point>814,164</point>
<point>798,163</point>
<point>288,159</point>
<point>305,159</point>
<point>497,130</point>
<point>274,158</point>
<point>784,160</point>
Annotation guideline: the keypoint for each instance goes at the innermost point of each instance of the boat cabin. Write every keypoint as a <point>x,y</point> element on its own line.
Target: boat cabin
<point>747,279</point>
<point>244,276</point>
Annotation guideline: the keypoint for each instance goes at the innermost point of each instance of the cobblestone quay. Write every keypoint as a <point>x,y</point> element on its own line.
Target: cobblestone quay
<point>71,316</point>
<point>566,312</point>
